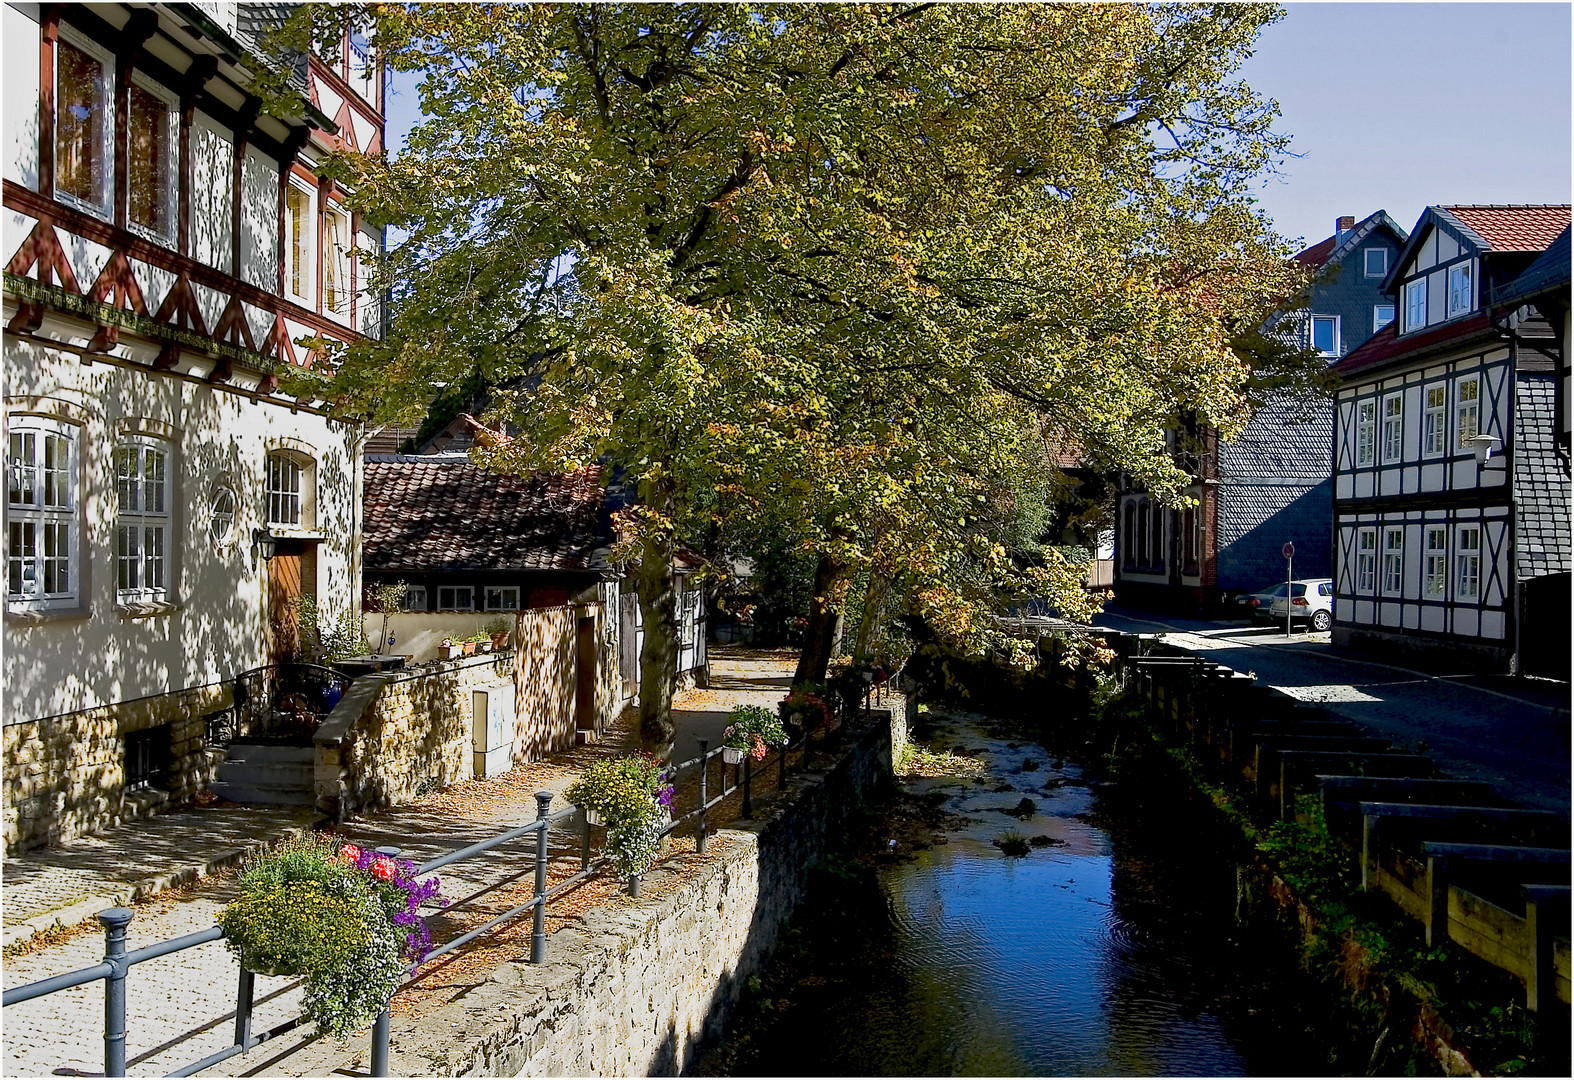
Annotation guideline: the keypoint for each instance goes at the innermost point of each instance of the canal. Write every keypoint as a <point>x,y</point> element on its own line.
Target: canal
<point>1026,920</point>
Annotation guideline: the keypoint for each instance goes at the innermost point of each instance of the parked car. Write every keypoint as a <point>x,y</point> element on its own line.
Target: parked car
<point>1255,605</point>
<point>1311,600</point>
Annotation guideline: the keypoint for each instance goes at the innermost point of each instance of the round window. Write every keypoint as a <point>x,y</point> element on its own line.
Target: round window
<point>221,514</point>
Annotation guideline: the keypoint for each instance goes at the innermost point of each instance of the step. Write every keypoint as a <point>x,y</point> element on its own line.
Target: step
<point>261,795</point>
<point>270,753</point>
<point>266,774</point>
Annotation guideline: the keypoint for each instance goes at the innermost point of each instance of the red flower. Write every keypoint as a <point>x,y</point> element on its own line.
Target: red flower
<point>350,853</point>
<point>383,869</point>
<point>759,750</point>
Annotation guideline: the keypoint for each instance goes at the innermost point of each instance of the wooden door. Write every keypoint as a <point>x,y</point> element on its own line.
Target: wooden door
<point>284,585</point>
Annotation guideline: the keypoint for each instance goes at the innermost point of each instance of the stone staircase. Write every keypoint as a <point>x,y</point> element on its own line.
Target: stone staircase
<point>266,774</point>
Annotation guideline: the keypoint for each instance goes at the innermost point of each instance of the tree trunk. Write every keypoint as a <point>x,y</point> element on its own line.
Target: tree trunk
<point>815,659</point>
<point>658,657</point>
<point>874,610</point>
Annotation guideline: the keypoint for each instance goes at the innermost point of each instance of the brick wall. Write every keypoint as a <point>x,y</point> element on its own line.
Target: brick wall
<point>65,776</point>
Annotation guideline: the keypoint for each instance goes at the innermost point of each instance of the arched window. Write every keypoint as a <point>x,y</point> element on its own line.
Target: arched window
<point>1158,559</point>
<point>1144,551</point>
<point>290,489</point>
<point>1128,536</point>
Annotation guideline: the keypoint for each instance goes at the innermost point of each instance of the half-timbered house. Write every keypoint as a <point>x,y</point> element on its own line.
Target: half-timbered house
<point>169,245</point>
<point>1451,485</point>
<point>1270,484</point>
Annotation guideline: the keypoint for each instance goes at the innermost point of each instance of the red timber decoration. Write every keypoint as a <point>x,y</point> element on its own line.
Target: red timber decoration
<point>180,307</point>
<point>346,124</point>
<point>232,327</point>
<point>279,344</point>
<point>117,284</point>
<point>42,249</point>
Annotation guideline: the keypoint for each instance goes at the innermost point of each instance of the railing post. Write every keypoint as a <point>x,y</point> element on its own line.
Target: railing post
<point>538,933</point>
<point>115,921</point>
<point>748,771</point>
<point>699,837</point>
<point>243,1001</point>
<point>381,1036</point>
<point>781,766</point>
<point>584,848</point>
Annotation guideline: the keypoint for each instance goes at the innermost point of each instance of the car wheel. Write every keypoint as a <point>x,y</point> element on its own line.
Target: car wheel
<point>1321,620</point>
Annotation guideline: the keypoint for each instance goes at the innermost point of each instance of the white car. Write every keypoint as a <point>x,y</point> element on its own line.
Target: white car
<point>1310,600</point>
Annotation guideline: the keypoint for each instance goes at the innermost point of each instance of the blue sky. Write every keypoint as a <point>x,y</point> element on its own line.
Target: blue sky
<point>1390,107</point>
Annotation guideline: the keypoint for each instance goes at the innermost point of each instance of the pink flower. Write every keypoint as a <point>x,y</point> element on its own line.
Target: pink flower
<point>350,853</point>
<point>383,869</point>
<point>759,750</point>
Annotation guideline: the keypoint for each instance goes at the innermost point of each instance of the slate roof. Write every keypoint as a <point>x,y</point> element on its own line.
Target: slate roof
<point>1542,539</point>
<point>1509,227</point>
<point>440,512</point>
<point>1317,254</point>
<point>1336,247</point>
<point>1548,272</point>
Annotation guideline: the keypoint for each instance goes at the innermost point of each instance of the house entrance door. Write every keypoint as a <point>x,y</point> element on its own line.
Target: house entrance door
<point>292,564</point>
<point>628,640</point>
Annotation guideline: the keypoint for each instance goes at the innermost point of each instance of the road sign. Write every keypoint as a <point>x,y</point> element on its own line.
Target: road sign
<point>1289,549</point>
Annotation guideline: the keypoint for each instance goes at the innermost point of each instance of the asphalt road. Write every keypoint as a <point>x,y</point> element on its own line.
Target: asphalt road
<point>1510,733</point>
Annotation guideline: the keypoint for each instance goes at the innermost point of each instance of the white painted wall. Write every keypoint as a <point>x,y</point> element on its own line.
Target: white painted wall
<point>70,663</point>
<point>259,226</point>
<point>417,634</point>
<point>21,94</point>
<point>212,194</point>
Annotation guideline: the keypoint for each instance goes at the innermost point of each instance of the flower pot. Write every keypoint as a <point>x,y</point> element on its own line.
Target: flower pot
<point>484,646</point>
<point>591,817</point>
<point>279,971</point>
<point>452,652</point>
<point>469,647</point>
<point>733,755</point>
<point>499,642</point>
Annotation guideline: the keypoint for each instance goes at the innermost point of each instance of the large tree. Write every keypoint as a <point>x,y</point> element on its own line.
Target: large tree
<point>842,268</point>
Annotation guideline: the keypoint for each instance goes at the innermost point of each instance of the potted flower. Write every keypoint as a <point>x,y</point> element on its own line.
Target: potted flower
<point>806,710</point>
<point>469,645</point>
<point>750,730</point>
<point>347,920</point>
<point>631,796</point>
<point>499,630</point>
<point>450,650</point>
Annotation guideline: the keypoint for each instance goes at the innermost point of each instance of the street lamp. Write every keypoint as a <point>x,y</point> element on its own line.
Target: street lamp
<point>1483,445</point>
<point>264,543</point>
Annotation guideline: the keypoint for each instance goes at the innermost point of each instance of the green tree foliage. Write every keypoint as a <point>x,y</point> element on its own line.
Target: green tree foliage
<point>848,271</point>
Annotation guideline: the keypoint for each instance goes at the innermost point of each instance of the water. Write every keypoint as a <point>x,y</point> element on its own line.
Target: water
<point>1106,950</point>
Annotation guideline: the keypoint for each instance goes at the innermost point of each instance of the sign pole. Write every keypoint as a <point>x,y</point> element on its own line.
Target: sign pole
<point>1289,586</point>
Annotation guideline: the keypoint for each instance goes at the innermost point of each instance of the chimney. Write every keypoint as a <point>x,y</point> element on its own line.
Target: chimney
<point>1343,225</point>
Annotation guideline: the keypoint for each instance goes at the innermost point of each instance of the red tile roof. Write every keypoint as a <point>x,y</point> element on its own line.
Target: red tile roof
<point>1317,254</point>
<point>424,515</point>
<point>1512,227</point>
<point>1387,345</point>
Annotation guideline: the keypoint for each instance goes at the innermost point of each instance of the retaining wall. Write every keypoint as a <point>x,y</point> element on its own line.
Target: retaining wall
<point>636,987</point>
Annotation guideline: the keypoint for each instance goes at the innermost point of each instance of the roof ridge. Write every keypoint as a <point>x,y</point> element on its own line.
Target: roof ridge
<point>1506,206</point>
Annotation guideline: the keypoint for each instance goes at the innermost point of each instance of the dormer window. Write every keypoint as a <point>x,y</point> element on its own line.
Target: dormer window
<point>1415,304</point>
<point>1376,262</point>
<point>1460,297</point>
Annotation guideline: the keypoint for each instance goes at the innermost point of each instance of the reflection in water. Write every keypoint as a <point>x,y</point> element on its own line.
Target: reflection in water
<point>1103,952</point>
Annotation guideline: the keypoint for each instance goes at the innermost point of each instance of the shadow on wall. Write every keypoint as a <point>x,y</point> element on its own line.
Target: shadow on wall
<point>1255,558</point>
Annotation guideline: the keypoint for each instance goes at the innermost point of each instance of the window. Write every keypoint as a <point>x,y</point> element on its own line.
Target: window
<point>455,598</point>
<point>284,490</point>
<point>1366,433</point>
<point>1435,421</point>
<point>1365,560</point>
<point>1376,262</point>
<point>147,757</point>
<point>221,514</point>
<point>415,598</point>
<point>1467,563</point>
<point>1415,304</point>
<point>142,519</point>
<point>1460,297</point>
<point>150,146</point>
<point>1128,547</point>
<point>83,124</point>
<point>1325,334</point>
<point>1436,581</point>
<point>502,597</point>
<point>1467,410</point>
<point>1382,315</point>
<point>41,514</point>
<point>1393,561</point>
<point>299,229</point>
<point>336,263</point>
<point>1393,427</point>
<point>1142,533</point>
<point>1158,553</point>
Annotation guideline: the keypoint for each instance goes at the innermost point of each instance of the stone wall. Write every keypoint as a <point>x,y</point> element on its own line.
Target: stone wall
<point>637,987</point>
<point>544,668</point>
<point>65,776</point>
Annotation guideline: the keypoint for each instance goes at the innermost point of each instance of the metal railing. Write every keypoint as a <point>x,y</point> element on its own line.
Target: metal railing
<point>118,962</point>
<point>279,702</point>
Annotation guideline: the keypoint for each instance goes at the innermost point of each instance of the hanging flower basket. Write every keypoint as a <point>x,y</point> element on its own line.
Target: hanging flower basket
<point>627,795</point>
<point>733,755</point>
<point>592,816</point>
<point>753,731</point>
<point>347,920</point>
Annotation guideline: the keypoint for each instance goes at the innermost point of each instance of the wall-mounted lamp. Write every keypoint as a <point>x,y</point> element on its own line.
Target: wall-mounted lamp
<point>264,543</point>
<point>1483,445</point>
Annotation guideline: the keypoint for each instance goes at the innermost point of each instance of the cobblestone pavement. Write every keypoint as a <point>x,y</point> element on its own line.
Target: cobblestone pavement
<point>180,1008</point>
<point>1511,734</point>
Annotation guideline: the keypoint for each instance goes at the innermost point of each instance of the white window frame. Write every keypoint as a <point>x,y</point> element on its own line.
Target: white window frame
<point>1366,432</point>
<point>501,594</point>
<point>448,597</point>
<point>1434,583</point>
<point>336,259</point>
<point>306,296</point>
<point>1366,559</point>
<point>1461,297</point>
<point>54,543</point>
<point>171,166</point>
<point>1415,304</point>
<point>142,522</point>
<point>1467,562</point>
<point>1434,420</point>
<point>1311,338</point>
<point>105,207</point>
<point>1382,270</point>
<point>284,489</point>
<point>1467,411</point>
<point>1393,560</point>
<point>1393,428</point>
<point>1378,321</point>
